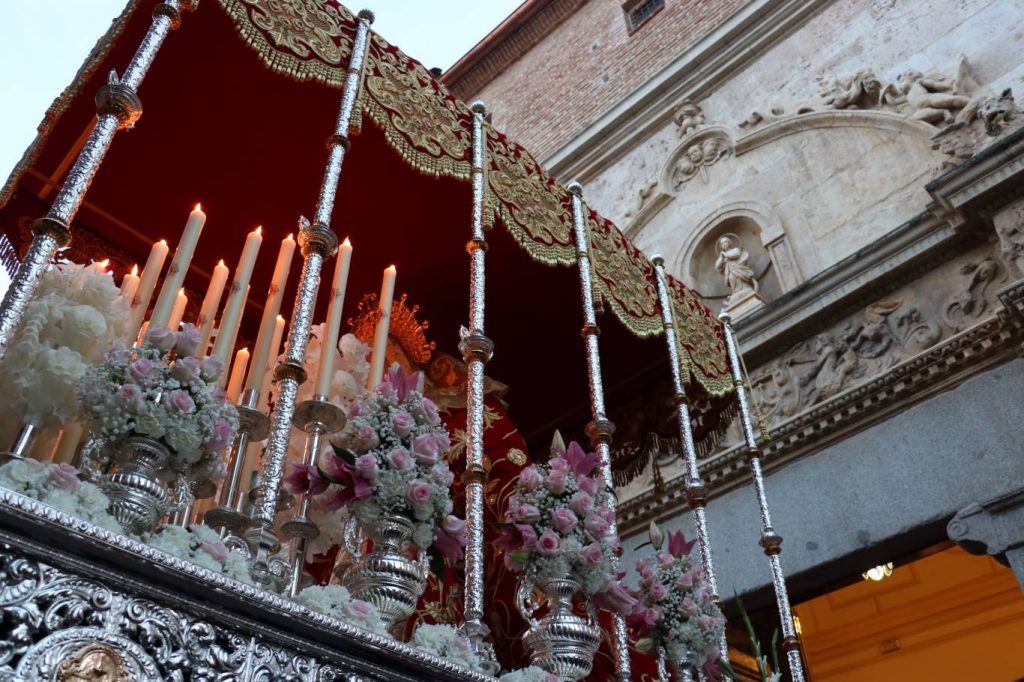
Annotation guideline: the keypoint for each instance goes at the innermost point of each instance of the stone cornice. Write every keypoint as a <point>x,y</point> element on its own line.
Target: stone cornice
<point>735,43</point>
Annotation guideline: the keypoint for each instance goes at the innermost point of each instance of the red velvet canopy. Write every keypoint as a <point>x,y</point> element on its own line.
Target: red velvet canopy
<point>236,110</point>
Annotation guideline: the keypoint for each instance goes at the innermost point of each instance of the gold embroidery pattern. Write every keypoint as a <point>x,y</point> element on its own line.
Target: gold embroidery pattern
<point>624,278</point>
<point>304,39</point>
<point>701,345</point>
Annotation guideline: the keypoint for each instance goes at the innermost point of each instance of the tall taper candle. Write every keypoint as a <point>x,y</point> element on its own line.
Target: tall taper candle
<point>380,335</point>
<point>261,353</point>
<point>180,303</point>
<point>208,311</point>
<point>232,315</point>
<point>333,326</point>
<point>275,350</point>
<point>147,283</point>
<point>175,277</point>
<point>130,283</point>
<point>237,374</point>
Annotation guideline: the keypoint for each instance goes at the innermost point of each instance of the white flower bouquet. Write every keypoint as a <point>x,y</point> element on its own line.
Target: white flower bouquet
<point>557,527</point>
<point>389,460</point>
<point>75,316</point>
<point>202,546</point>
<point>162,391</point>
<point>446,642</point>
<point>335,600</point>
<point>675,610</point>
<point>530,674</point>
<point>58,485</point>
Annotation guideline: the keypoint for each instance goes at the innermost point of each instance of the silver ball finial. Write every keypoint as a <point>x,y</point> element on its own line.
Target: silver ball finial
<point>366,15</point>
<point>575,188</point>
<point>658,259</point>
<point>478,107</point>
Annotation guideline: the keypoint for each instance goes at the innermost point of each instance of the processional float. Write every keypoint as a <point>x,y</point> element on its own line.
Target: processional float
<point>422,148</point>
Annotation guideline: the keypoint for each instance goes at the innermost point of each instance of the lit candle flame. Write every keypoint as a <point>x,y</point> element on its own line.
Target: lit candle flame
<point>135,270</point>
<point>259,230</point>
<point>164,242</point>
<point>103,264</point>
<point>181,291</point>
<point>289,238</point>
<point>392,268</point>
<point>221,263</point>
<point>346,242</point>
<point>280,318</point>
<point>199,206</point>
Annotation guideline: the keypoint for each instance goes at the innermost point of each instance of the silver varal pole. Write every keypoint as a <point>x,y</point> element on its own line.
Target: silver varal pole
<point>117,107</point>
<point>476,351</point>
<point>770,540</point>
<point>696,493</point>
<point>318,242</point>
<point>600,428</point>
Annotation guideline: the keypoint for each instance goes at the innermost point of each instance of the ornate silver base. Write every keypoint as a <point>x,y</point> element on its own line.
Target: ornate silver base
<point>562,642</point>
<point>138,500</point>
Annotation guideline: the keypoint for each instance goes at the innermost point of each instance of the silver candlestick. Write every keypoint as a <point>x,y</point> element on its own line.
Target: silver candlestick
<point>253,425</point>
<point>771,541</point>
<point>117,107</point>
<point>600,428</point>
<point>696,493</point>
<point>318,242</point>
<point>22,442</point>
<point>317,418</point>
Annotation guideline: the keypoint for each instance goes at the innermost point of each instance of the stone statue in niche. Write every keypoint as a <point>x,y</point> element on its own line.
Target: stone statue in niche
<point>733,263</point>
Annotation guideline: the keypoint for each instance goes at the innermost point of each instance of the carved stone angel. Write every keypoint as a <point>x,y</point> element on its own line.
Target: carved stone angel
<point>734,263</point>
<point>932,98</point>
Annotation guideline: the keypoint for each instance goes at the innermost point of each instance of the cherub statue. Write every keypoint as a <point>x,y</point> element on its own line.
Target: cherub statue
<point>688,117</point>
<point>732,262</point>
<point>932,98</point>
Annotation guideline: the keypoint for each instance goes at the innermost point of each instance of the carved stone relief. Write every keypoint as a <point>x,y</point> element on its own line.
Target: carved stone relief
<point>697,156</point>
<point>1009,226</point>
<point>688,117</point>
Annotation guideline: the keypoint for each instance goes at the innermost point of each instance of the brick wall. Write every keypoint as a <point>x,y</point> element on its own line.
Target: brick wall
<point>587,64</point>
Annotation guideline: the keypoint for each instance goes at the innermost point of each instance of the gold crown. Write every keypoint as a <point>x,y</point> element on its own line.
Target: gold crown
<point>405,329</point>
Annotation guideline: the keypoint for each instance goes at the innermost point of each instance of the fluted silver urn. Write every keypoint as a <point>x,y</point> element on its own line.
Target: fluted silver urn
<point>138,495</point>
<point>562,642</point>
<point>387,577</point>
<point>683,666</point>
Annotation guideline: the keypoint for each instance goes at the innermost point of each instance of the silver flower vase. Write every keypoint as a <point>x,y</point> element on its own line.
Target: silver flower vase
<point>138,496</point>
<point>387,577</point>
<point>562,642</point>
<point>683,667</point>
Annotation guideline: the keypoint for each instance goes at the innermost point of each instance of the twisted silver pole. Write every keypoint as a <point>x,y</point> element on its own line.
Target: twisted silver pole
<point>318,242</point>
<point>696,493</point>
<point>600,429</point>
<point>771,541</point>
<point>118,107</point>
<point>476,351</point>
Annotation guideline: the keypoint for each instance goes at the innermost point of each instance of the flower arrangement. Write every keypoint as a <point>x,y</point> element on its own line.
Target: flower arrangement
<point>201,545</point>
<point>351,368</point>
<point>162,391</point>
<point>389,460</point>
<point>335,600</point>
<point>75,316</point>
<point>58,485</point>
<point>530,674</point>
<point>558,526</point>
<point>446,642</point>
<point>675,608</point>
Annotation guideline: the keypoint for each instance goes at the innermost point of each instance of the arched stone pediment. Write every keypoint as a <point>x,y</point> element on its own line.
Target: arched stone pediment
<point>833,119</point>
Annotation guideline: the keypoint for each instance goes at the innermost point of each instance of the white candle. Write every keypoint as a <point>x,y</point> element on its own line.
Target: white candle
<point>232,315</point>
<point>69,439</point>
<point>275,294</point>
<point>130,283</point>
<point>380,336</point>
<point>208,311</point>
<point>100,265</point>
<point>238,374</point>
<point>180,303</point>
<point>275,350</point>
<point>147,283</point>
<point>333,326</point>
<point>175,277</point>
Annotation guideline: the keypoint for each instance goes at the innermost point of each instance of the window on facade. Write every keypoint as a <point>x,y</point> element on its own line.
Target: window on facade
<point>639,11</point>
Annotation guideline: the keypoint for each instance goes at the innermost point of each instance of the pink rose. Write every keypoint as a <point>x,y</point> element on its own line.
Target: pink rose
<point>596,526</point>
<point>367,437</point>
<point>558,464</point>
<point>65,477</point>
<point>366,466</point>
<point>133,398</point>
<point>443,442</point>
<point>430,412</point>
<point>591,554</point>
<point>658,592</point>
<point>418,492</point>
<point>531,478</point>
<point>557,480</point>
<point>399,459</point>
<point>118,354</point>
<point>188,341</point>
<point>140,369</point>
<point>185,370</point>
<point>548,543</point>
<point>453,525</point>
<point>221,436</point>
<point>357,608</point>
<point>581,503</point>
<point>666,559</point>
<point>443,473</point>
<point>424,449</point>
<point>527,513</point>
<point>685,581</point>
<point>218,395</point>
<point>218,551</point>
<point>181,401</point>
<point>708,623</point>
<point>402,423</point>
<point>161,338</point>
<point>588,485</point>
<point>564,520</point>
<point>212,368</point>
<point>688,607</point>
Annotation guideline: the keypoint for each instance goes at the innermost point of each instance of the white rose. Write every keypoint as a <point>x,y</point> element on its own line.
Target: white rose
<point>81,328</point>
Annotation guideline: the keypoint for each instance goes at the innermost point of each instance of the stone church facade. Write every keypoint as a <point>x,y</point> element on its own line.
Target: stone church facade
<point>847,177</point>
